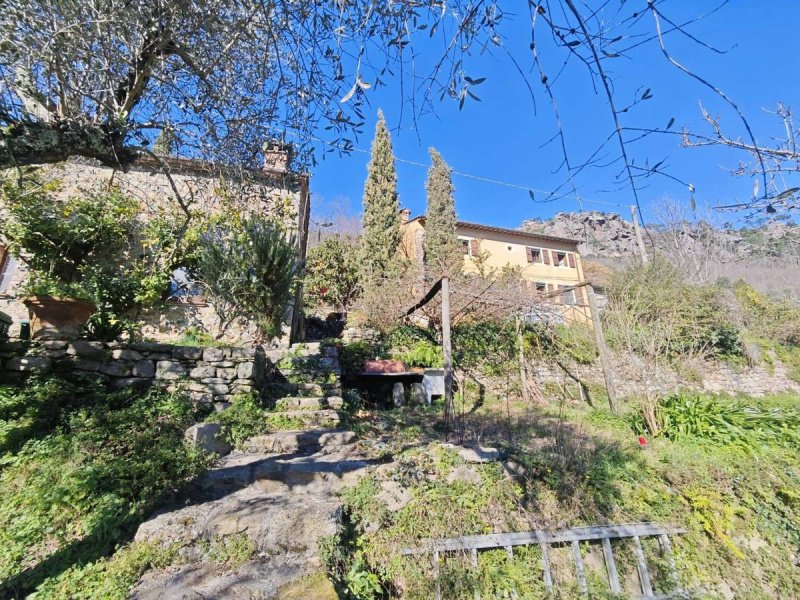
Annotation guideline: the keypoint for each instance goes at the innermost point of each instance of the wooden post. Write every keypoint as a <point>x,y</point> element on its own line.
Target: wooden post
<point>523,376</point>
<point>639,240</point>
<point>603,351</point>
<point>447,352</point>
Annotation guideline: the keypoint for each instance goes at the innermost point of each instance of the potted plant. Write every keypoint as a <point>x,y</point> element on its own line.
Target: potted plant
<point>75,250</point>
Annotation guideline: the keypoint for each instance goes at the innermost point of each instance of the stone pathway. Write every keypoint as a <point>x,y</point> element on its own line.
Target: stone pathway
<point>281,492</point>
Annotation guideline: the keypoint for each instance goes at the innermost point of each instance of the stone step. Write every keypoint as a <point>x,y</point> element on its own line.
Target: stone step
<point>309,402</point>
<point>319,389</point>
<point>290,442</point>
<point>280,389</point>
<point>304,418</point>
<point>313,365</point>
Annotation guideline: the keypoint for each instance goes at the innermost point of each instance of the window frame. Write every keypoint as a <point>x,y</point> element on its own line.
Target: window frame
<point>539,251</point>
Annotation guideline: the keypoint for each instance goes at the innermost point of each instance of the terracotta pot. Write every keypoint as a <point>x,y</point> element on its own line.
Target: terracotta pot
<point>57,318</point>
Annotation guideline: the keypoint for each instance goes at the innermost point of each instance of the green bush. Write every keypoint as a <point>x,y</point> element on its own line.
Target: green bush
<point>424,354</point>
<point>354,355</point>
<point>250,271</point>
<point>653,311</point>
<point>776,320</point>
<point>245,418</point>
<point>486,346</point>
<point>331,277</point>
<point>573,342</point>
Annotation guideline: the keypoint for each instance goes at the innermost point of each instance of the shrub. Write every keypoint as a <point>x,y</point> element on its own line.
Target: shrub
<point>424,354</point>
<point>89,246</point>
<point>245,418</point>
<point>561,342</point>
<point>250,272</point>
<point>653,311</point>
<point>331,277</point>
<point>777,320</point>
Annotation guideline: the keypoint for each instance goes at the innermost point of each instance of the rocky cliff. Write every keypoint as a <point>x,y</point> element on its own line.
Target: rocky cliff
<point>767,255</point>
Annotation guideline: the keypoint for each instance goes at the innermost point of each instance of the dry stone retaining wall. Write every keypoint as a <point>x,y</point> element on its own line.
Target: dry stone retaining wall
<point>208,374</point>
<point>714,377</point>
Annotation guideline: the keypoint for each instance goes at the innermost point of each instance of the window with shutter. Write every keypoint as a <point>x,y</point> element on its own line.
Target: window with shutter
<point>474,247</point>
<point>546,256</point>
<point>464,246</point>
<point>534,254</point>
<point>571,259</point>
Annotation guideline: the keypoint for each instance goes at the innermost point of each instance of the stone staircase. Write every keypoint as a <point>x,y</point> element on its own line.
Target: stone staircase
<point>281,491</point>
<point>306,386</point>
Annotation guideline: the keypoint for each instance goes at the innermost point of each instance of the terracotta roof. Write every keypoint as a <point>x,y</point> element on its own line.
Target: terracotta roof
<point>517,232</point>
<point>502,230</point>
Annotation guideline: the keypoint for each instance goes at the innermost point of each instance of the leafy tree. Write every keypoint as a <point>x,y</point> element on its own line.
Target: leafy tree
<point>100,79</point>
<point>381,219</point>
<point>332,273</point>
<point>250,271</point>
<point>442,252</point>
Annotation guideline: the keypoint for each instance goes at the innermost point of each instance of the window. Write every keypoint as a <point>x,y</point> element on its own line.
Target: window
<point>569,297</point>
<point>541,287</point>
<point>560,259</point>
<point>534,254</point>
<point>469,247</point>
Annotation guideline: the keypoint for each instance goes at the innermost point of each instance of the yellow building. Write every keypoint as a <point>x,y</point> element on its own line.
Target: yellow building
<point>545,263</point>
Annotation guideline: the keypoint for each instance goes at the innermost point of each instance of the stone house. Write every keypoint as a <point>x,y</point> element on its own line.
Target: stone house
<point>275,190</point>
<point>546,264</point>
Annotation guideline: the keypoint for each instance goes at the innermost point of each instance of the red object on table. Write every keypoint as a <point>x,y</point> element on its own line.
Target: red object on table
<point>384,366</point>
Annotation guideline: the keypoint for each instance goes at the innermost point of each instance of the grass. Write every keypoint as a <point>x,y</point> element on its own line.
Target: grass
<point>740,504</point>
<point>84,469</point>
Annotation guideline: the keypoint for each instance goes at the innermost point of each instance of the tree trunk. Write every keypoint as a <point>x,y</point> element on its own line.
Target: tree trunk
<point>31,143</point>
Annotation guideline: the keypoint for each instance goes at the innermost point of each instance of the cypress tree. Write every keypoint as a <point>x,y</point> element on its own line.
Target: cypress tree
<point>442,251</point>
<point>381,218</point>
<point>166,142</point>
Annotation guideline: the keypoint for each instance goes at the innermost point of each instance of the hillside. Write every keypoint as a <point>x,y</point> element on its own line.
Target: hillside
<point>766,256</point>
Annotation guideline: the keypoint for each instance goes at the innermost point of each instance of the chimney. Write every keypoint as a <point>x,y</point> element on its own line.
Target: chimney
<point>278,156</point>
<point>405,215</point>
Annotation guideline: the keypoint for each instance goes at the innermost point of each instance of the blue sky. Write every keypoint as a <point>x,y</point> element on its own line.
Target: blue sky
<point>501,138</point>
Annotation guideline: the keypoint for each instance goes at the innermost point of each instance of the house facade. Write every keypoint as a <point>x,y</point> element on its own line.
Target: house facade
<point>549,266</point>
<point>207,188</point>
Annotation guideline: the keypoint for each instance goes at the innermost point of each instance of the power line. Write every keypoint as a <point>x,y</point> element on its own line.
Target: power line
<point>573,197</point>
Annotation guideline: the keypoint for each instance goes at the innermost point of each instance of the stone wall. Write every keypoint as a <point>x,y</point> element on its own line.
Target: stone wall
<point>207,374</point>
<point>714,377</point>
<point>209,189</point>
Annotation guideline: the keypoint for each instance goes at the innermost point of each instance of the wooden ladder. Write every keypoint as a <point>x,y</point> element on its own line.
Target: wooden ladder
<point>573,536</point>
